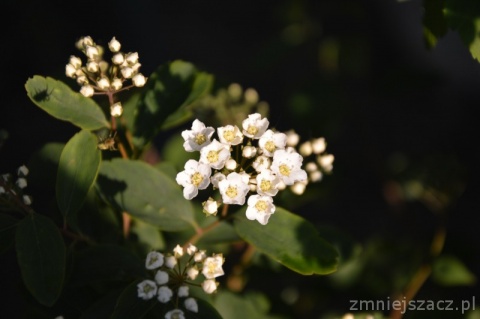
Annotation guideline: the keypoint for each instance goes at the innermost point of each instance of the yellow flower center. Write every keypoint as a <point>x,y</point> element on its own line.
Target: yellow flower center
<point>212,156</point>
<point>252,130</point>
<point>265,185</point>
<point>228,136</point>
<point>284,170</point>
<point>231,192</point>
<point>270,146</point>
<point>196,179</point>
<point>261,205</point>
<point>200,139</point>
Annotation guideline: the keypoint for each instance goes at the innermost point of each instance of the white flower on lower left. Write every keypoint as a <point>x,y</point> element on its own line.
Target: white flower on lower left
<point>195,176</point>
<point>175,314</point>
<point>147,289</point>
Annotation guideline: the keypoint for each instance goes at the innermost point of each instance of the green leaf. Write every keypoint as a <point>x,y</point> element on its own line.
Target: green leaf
<point>105,263</point>
<point>7,231</point>
<point>43,167</point>
<point>41,257</point>
<point>147,235</point>
<point>234,306</point>
<point>77,171</point>
<point>171,89</point>
<point>450,271</point>
<point>129,306</point>
<point>145,193</point>
<point>291,240</point>
<point>435,24</point>
<point>58,100</point>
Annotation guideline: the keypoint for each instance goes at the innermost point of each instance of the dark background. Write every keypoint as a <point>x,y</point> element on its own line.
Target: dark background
<point>356,72</point>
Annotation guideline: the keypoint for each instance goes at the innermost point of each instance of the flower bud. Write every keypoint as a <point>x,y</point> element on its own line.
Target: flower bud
<point>116,109</point>
<point>116,84</point>
<point>114,45</point>
<point>249,151</point>
<point>132,58</point>
<point>183,291</point>
<point>127,72</point>
<point>118,58</point>
<point>75,61</point>
<point>139,80</point>
<point>209,286</point>
<point>164,294</point>
<point>231,164</point>
<point>70,71</point>
<point>87,90</point>
<point>91,52</point>
<point>318,145</point>
<point>178,251</point>
<point>103,83</point>
<point>92,67</point>
<point>191,304</point>
<point>305,149</point>
<point>27,200</point>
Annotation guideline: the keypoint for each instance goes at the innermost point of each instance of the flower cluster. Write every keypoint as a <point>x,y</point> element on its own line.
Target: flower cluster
<point>11,189</point>
<point>318,161</point>
<point>174,272</point>
<point>253,159</point>
<point>98,76</point>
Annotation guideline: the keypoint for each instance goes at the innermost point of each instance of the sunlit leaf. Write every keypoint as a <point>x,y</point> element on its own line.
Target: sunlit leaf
<point>41,257</point>
<point>145,193</point>
<point>58,100</point>
<point>77,171</point>
<point>450,271</point>
<point>291,240</point>
<point>171,88</point>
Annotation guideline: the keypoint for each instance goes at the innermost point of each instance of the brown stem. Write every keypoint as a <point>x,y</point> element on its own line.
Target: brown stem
<point>200,232</point>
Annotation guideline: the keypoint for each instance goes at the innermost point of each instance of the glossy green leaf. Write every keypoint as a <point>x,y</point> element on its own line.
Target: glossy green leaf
<point>60,101</point>
<point>149,236</point>
<point>450,271</point>
<point>41,257</point>
<point>205,311</point>
<point>77,170</point>
<point>290,240</point>
<point>8,225</point>
<point>171,89</point>
<point>129,306</point>
<point>43,167</point>
<point>145,193</point>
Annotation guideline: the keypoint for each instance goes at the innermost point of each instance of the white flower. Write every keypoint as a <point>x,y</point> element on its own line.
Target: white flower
<point>27,200</point>
<point>132,58</point>
<point>209,286</point>
<point>154,260</point>
<point>292,138</point>
<point>178,251</point>
<point>103,83</point>
<point>139,80</point>
<point>319,145</point>
<point>261,163</point>
<point>260,208</point>
<point>164,294</point>
<point>212,266</point>
<point>114,45</point>
<point>254,126</point>
<point>118,58</point>
<point>191,249</point>
<point>21,182</point>
<point>230,135</point>
<point>191,304</point>
<point>146,290</point>
<point>287,166</point>
<point>116,84</point>
<point>210,207</point>
<point>216,178</point>
<point>267,183</point>
<point>127,72</point>
<point>116,109</point>
<point>183,291</point>
<point>76,62</point>
<point>200,256</point>
<point>195,176</point>
<point>92,66</point>
<point>249,151</point>
<point>233,189</point>
<point>87,90</point>
<point>270,142</point>
<point>170,261</point>
<point>192,273</point>
<point>175,314</point>
<point>161,277</point>
<point>215,154</point>
<point>70,71</point>
<point>198,137</point>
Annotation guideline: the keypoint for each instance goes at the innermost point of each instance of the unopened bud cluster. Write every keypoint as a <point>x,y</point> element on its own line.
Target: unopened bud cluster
<point>174,272</point>
<point>98,76</point>
<point>11,189</point>
<point>253,160</point>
